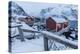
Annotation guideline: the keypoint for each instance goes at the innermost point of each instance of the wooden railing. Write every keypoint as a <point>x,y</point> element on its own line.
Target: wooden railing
<point>18,26</point>
<point>48,35</point>
<point>57,38</point>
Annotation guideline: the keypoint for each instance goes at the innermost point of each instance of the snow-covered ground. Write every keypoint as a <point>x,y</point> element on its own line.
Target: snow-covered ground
<point>33,45</point>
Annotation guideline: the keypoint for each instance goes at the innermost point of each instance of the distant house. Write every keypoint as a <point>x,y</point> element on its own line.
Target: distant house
<point>28,20</point>
<point>56,24</point>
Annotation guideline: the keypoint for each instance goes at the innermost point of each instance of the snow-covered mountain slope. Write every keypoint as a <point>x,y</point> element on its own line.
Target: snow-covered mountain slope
<point>15,9</point>
<point>65,10</point>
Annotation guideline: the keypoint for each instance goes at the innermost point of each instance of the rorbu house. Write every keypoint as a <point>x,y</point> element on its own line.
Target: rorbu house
<point>56,23</point>
<point>28,20</point>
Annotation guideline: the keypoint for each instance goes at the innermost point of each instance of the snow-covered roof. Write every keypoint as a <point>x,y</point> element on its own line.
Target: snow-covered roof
<point>18,16</point>
<point>59,20</point>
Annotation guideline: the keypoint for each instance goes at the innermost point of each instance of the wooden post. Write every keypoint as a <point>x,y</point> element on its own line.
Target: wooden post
<point>45,43</point>
<point>56,27</point>
<point>21,34</point>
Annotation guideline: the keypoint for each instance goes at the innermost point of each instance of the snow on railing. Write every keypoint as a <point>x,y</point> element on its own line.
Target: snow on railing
<point>49,35</point>
<point>18,26</point>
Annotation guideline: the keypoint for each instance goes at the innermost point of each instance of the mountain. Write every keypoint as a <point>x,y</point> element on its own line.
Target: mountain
<point>65,10</point>
<point>15,9</point>
<point>46,10</point>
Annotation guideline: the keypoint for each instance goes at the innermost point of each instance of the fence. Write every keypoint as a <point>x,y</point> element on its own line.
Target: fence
<point>48,35</point>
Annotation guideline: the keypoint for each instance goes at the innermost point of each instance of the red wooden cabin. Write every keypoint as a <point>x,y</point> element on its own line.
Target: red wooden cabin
<point>28,20</point>
<point>56,24</point>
